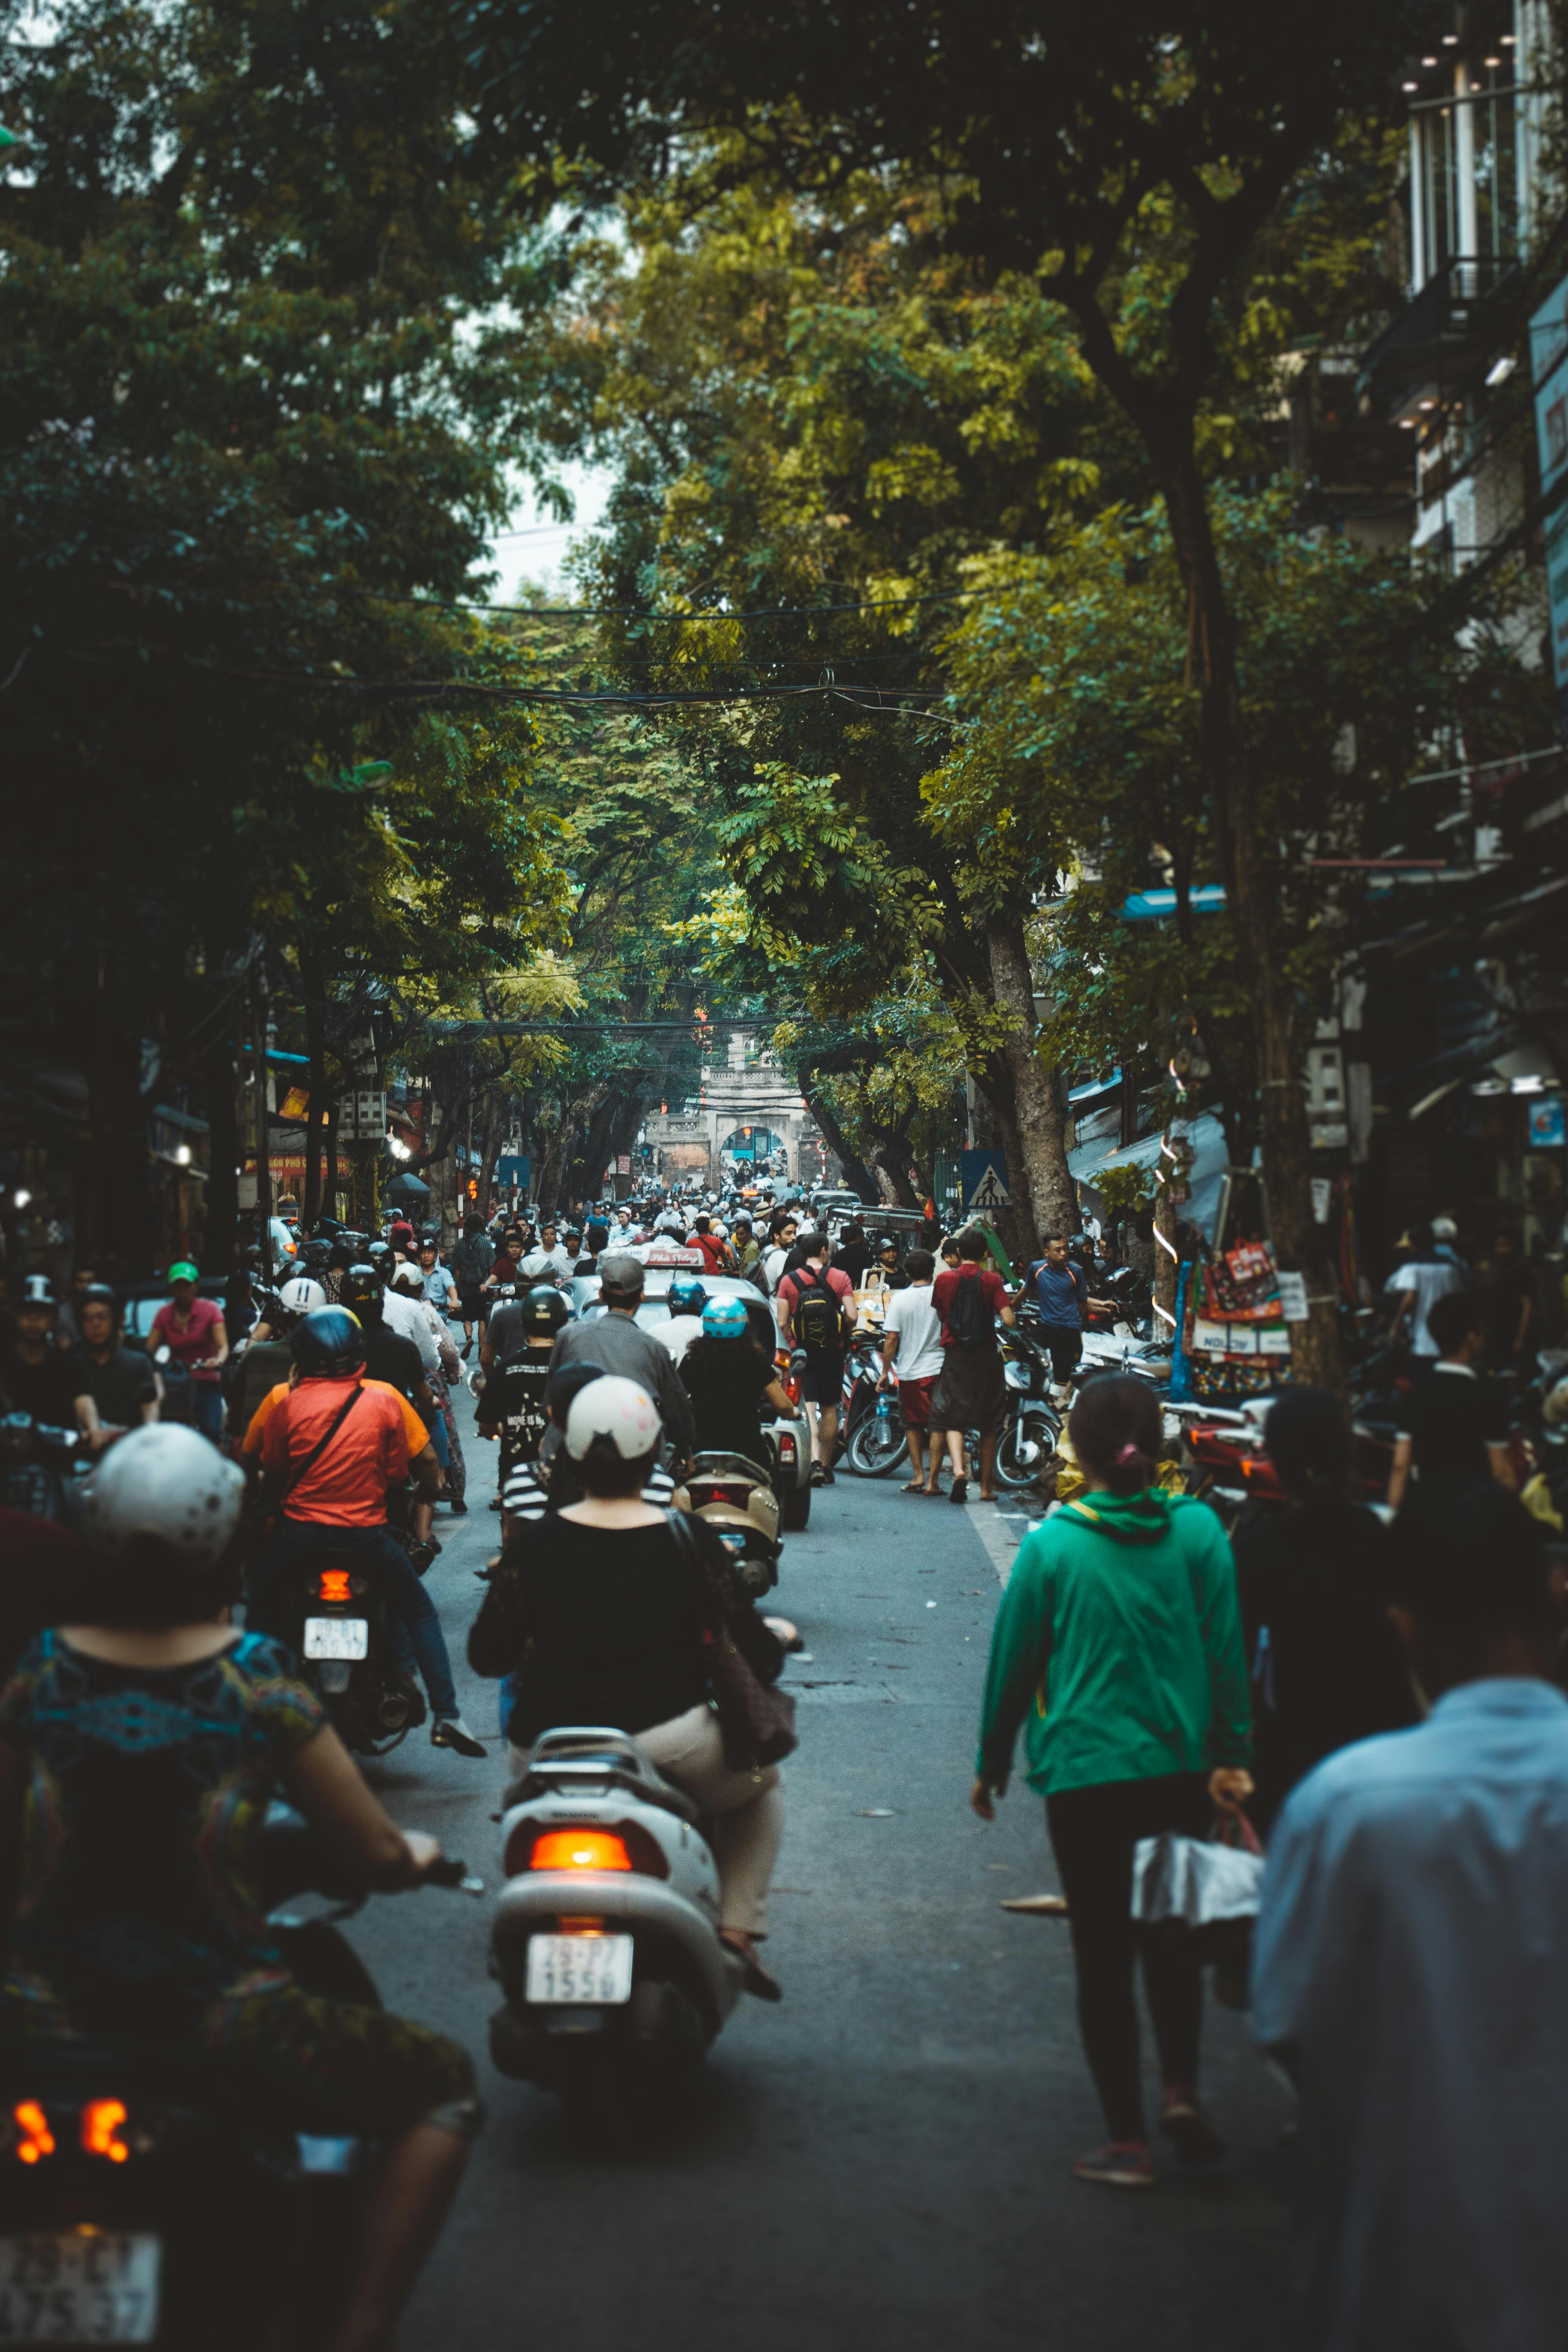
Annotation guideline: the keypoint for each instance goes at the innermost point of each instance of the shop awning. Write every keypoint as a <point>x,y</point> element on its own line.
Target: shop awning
<point>1157,906</point>
<point>1206,1137</point>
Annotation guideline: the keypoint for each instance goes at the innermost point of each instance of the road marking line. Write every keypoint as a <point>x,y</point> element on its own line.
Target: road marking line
<point>998,1538</point>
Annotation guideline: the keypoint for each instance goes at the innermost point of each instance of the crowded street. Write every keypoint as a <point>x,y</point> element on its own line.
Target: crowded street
<point>784,1176</point>
<point>884,2158</point>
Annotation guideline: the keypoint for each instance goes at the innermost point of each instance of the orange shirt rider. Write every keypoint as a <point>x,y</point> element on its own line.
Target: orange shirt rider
<point>381,1439</point>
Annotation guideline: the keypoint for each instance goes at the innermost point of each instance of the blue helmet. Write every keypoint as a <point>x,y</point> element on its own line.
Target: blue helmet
<point>725,1318</point>
<point>686,1295</point>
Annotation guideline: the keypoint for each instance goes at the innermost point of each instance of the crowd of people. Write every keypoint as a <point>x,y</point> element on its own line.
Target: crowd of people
<point>1374,1691</point>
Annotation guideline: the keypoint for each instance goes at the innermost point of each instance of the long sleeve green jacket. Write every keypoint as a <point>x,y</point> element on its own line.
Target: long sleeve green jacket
<point>1117,1647</point>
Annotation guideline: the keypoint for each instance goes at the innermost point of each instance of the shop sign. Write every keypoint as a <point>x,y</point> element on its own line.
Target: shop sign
<point>1548,1127</point>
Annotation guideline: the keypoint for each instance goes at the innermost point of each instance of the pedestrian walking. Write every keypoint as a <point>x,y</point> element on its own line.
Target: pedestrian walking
<point>1326,1665</point>
<point>971,1391</point>
<point>1117,1650</point>
<point>1410,1955</point>
<point>815,1307</point>
<point>472,1258</point>
<point>1456,1422</point>
<point>1430,1272</point>
<point>912,1358</point>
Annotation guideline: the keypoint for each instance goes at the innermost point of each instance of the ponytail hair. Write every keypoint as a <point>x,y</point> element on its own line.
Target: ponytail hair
<point>1116,1432</point>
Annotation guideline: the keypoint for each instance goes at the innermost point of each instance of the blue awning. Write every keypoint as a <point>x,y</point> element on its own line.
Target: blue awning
<point>1084,1097</point>
<point>1155,906</point>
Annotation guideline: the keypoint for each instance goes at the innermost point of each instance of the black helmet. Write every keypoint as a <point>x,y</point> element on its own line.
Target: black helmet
<point>363,1292</point>
<point>328,1344</point>
<point>542,1308</point>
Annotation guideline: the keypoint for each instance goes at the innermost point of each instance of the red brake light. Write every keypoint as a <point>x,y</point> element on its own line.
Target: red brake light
<point>34,2137</point>
<point>101,2119</point>
<point>579,1850</point>
<point>334,1584</point>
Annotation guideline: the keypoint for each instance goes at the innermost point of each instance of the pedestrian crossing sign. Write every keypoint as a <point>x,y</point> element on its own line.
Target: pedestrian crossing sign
<point>985,1182</point>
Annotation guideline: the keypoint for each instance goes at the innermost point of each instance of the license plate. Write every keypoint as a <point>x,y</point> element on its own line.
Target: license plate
<point>79,2286</point>
<point>586,1971</point>
<point>337,1637</point>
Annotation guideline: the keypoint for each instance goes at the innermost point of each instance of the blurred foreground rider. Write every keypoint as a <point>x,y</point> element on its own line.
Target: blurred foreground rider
<point>141,1746</point>
<point>331,1446</point>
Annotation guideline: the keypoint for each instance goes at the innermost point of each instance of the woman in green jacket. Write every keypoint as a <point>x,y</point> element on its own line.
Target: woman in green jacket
<point>1117,1647</point>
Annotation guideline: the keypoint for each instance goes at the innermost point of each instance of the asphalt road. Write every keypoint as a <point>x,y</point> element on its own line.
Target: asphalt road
<point>882,2160</point>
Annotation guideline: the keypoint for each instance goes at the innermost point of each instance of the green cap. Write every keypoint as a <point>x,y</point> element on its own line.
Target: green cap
<point>184,1272</point>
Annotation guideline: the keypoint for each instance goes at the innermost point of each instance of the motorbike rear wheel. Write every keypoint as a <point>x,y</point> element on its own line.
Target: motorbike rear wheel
<point>1016,1474</point>
<point>877,1445</point>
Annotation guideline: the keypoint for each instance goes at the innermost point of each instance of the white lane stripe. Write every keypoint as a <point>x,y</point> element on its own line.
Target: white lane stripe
<point>1000,1537</point>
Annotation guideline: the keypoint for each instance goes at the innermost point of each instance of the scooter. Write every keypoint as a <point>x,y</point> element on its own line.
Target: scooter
<point>605,1940</point>
<point>737,1499</point>
<point>39,1466</point>
<point>1029,1435</point>
<point>340,1631</point>
<point>133,2203</point>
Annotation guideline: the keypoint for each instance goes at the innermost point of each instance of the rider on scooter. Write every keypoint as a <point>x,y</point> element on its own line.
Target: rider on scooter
<point>141,1748</point>
<point>332,1446</point>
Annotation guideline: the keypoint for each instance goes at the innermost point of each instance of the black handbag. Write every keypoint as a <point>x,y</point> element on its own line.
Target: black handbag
<point>757,1719</point>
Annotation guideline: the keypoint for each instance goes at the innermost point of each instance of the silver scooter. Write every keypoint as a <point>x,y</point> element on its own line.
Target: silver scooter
<point>606,1941</point>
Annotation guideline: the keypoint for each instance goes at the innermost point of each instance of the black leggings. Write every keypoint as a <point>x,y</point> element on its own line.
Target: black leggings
<point>1093,1832</point>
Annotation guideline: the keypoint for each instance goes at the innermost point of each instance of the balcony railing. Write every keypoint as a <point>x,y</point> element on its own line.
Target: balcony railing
<point>1451,324</point>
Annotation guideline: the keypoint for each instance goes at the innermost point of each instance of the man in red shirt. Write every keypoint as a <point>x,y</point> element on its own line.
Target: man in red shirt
<point>815,1305</point>
<point>971,1393</point>
<point>715,1253</point>
<point>332,1447</point>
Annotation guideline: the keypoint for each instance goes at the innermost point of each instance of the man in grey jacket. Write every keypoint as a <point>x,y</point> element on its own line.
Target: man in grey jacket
<point>471,1260</point>
<point>617,1343</point>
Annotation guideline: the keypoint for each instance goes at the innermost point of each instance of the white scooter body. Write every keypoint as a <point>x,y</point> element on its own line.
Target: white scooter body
<point>683,1982</point>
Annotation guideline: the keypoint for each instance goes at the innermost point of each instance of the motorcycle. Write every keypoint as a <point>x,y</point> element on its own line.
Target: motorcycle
<point>870,1424</point>
<point>134,2201</point>
<point>1029,1435</point>
<point>606,1939</point>
<point>737,1499</point>
<point>39,1466</point>
<point>341,1634</point>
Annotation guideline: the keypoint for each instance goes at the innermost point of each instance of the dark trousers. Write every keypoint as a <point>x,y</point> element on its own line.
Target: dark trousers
<point>1093,1832</point>
<point>1065,1341</point>
<point>413,1628</point>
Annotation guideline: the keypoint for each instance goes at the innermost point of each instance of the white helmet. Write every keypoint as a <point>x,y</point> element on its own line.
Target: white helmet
<point>614,1408</point>
<point>537,1264</point>
<point>408,1278</point>
<point>301,1295</point>
<point>165,1480</point>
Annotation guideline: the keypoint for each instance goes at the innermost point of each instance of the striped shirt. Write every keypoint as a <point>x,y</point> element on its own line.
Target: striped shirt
<point>527,1491</point>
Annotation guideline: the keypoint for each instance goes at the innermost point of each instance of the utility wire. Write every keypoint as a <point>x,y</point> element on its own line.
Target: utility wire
<point>630,612</point>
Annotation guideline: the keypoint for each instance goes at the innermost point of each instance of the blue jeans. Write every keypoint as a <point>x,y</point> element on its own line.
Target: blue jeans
<point>414,1629</point>
<point>206,1408</point>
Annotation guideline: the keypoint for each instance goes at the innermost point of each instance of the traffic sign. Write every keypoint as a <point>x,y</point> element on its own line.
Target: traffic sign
<point>985,1182</point>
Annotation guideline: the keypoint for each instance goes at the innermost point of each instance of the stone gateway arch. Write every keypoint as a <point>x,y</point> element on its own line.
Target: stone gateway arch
<point>743,1090</point>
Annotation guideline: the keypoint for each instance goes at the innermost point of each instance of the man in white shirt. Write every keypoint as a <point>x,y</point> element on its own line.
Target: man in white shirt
<point>550,1249</point>
<point>406,1316</point>
<point>686,1298</point>
<point>912,1339</point>
<point>1430,1273</point>
<point>777,1258</point>
<point>1410,1960</point>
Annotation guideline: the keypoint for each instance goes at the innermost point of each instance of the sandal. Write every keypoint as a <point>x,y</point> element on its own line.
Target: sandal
<point>914,1487</point>
<point>754,1977</point>
<point>960,1491</point>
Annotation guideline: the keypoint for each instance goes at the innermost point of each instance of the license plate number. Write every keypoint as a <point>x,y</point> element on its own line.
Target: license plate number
<point>585,1971</point>
<point>337,1637</point>
<point>79,2286</point>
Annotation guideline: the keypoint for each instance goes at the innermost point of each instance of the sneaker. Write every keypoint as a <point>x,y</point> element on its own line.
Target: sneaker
<point>818,1474</point>
<point>829,1477</point>
<point>1188,2129</point>
<point>1119,2164</point>
<point>454,1733</point>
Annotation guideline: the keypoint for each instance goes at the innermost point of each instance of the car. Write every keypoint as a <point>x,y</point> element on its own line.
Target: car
<point>791,1435</point>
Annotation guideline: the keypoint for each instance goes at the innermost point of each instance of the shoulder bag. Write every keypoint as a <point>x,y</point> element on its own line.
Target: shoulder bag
<point>756,1720</point>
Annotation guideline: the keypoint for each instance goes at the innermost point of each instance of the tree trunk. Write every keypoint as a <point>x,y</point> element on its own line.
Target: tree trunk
<point>856,1173</point>
<point>220,1243</point>
<point>316,1047</point>
<point>1316,1355</point>
<point>1042,1165</point>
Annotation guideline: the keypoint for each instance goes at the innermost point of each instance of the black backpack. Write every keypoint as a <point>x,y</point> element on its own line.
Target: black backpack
<point>969,1322</point>
<point>817,1319</point>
